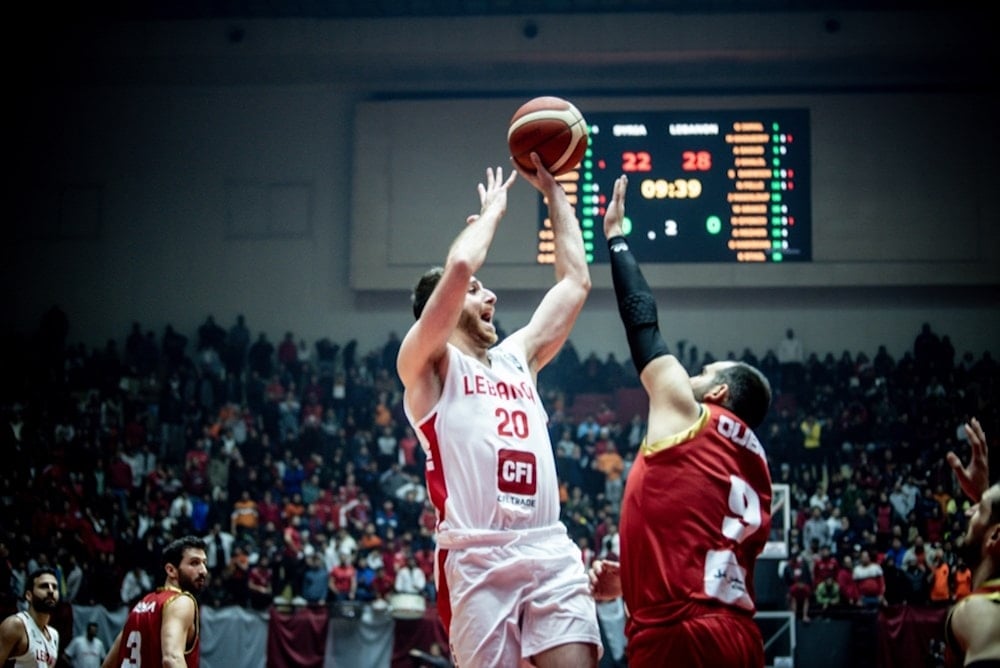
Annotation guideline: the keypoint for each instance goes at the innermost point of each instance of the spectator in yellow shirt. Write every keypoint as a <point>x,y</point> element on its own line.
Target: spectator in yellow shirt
<point>812,438</point>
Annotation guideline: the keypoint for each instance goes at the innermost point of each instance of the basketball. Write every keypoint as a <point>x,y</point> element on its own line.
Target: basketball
<point>551,127</point>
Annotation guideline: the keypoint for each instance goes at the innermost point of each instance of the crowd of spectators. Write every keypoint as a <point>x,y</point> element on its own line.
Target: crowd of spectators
<point>878,516</point>
<point>296,463</point>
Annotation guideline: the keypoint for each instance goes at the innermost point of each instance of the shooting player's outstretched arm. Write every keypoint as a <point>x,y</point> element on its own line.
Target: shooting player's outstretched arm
<point>555,316</point>
<point>423,348</point>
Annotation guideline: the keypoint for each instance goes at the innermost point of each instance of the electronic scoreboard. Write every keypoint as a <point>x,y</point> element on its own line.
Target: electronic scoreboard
<point>704,186</point>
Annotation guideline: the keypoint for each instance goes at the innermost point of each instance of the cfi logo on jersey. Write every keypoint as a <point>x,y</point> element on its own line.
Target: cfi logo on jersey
<point>516,472</point>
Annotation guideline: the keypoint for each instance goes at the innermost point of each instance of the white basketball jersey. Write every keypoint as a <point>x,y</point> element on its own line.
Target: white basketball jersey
<point>42,652</point>
<point>490,464</point>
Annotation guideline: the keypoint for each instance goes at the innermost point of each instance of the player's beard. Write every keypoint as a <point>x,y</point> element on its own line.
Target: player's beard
<point>192,585</point>
<point>44,605</point>
<point>473,326</point>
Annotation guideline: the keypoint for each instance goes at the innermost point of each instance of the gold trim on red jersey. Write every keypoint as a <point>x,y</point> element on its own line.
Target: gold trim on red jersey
<point>649,449</point>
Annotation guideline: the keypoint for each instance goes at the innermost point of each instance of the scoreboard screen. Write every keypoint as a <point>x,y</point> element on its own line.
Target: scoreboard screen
<point>713,186</point>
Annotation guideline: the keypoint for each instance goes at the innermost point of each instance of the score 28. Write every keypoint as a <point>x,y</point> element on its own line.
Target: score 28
<point>696,161</point>
<point>691,161</point>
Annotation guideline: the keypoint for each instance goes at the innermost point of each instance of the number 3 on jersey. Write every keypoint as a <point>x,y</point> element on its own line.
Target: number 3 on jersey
<point>134,644</point>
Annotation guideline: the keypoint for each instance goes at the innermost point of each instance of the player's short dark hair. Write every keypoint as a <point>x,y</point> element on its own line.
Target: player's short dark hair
<point>425,286</point>
<point>29,584</point>
<point>749,392</point>
<point>173,553</point>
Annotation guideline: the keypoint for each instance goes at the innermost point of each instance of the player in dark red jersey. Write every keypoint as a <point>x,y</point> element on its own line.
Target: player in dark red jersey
<point>972,629</point>
<point>697,506</point>
<point>162,629</point>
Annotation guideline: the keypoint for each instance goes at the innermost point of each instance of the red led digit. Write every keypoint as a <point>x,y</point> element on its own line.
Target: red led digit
<point>696,161</point>
<point>636,161</point>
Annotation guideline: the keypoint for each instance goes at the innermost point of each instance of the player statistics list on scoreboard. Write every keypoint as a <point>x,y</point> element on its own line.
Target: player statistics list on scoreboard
<point>712,186</point>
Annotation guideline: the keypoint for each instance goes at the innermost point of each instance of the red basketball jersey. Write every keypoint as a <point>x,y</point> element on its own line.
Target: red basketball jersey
<point>954,655</point>
<point>695,515</point>
<point>140,645</point>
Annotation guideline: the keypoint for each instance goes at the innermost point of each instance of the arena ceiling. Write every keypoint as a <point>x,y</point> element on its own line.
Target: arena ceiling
<point>870,43</point>
<point>273,9</point>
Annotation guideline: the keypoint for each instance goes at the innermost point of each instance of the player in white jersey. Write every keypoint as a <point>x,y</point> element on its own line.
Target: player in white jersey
<point>512,587</point>
<point>490,425</point>
<point>26,637</point>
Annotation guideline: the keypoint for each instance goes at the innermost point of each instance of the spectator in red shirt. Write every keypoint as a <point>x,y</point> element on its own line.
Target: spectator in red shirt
<point>259,583</point>
<point>845,579</point>
<point>343,582</point>
<point>292,537</point>
<point>384,584</point>
<point>103,541</point>
<point>312,411</point>
<point>268,510</point>
<point>409,451</point>
<point>428,517</point>
<point>120,475</point>
<point>325,512</point>
<point>356,514</point>
<point>120,479</point>
<point>288,351</point>
<point>825,565</point>
<point>934,525</point>
<point>350,490</point>
<point>799,580</point>
<point>315,387</point>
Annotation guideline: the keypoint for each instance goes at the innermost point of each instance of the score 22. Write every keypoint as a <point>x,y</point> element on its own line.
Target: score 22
<point>636,161</point>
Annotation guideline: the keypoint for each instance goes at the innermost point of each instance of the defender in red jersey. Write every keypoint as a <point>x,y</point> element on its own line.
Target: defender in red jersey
<point>696,511</point>
<point>972,628</point>
<point>162,629</point>
<point>512,587</point>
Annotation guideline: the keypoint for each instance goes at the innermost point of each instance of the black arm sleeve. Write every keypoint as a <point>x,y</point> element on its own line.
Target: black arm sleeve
<point>635,305</point>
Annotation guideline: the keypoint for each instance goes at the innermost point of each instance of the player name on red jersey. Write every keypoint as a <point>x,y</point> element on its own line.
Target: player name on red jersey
<point>740,434</point>
<point>143,607</point>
